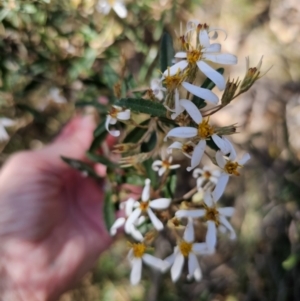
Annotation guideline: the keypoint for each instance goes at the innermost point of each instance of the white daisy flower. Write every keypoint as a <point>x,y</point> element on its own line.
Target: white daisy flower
<point>187,148</point>
<point>214,217</point>
<point>136,256</point>
<point>104,7</point>
<point>5,122</point>
<point>161,166</point>
<point>206,175</point>
<point>173,79</point>
<point>187,249</point>
<point>229,167</point>
<point>204,52</point>
<point>146,206</point>
<point>120,222</point>
<point>157,88</point>
<point>203,132</point>
<point>116,113</point>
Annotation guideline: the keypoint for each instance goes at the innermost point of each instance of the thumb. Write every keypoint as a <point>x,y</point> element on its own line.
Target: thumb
<point>75,138</point>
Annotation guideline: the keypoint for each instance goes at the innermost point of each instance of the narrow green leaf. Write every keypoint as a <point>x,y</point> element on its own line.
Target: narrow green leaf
<point>108,210</point>
<point>81,166</point>
<point>140,105</point>
<point>207,84</point>
<point>171,185</point>
<point>100,129</point>
<point>101,159</point>
<point>100,134</point>
<point>151,174</point>
<point>166,51</point>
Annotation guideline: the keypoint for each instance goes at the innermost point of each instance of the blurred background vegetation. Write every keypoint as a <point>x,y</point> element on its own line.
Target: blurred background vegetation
<point>56,53</point>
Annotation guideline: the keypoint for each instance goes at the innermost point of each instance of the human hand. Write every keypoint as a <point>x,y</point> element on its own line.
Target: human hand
<point>51,224</point>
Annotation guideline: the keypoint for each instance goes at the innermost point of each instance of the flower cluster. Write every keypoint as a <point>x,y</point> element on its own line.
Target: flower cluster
<point>175,105</point>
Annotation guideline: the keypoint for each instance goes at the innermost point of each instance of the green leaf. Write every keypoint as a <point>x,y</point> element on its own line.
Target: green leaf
<point>101,159</point>
<point>290,262</point>
<point>151,174</point>
<point>166,52</point>
<point>171,185</point>
<point>108,210</point>
<point>207,84</point>
<point>140,105</point>
<point>81,166</point>
<point>136,134</point>
<point>100,134</point>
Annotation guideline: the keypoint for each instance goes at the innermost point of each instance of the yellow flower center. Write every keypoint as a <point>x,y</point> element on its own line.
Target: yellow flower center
<point>193,56</point>
<point>138,249</point>
<point>187,148</point>
<point>173,81</point>
<point>212,214</point>
<point>205,130</point>
<point>114,112</point>
<point>207,175</point>
<point>185,248</point>
<point>166,164</point>
<point>231,168</point>
<point>144,206</point>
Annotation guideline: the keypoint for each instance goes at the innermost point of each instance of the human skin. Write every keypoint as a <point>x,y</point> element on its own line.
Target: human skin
<point>51,224</point>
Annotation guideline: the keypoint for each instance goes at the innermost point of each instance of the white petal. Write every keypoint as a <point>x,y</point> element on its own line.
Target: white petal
<point>188,234</point>
<point>115,133</point>
<point>219,142</point>
<point>211,235</point>
<point>220,159</point>
<point>227,211</point>
<point>175,166</point>
<point>155,262</point>
<point>6,122</point>
<point>200,248</point>
<point>197,155</point>
<point>158,225</point>
<point>181,55</point>
<point>161,203</point>
<point>197,172</point>
<point>204,38</point>
<point>192,110</point>
<point>182,132</point>
<point>212,74</point>
<point>117,224</point>
<point>229,149</point>
<point>169,261</point>
<point>146,191</point>
<point>174,69</point>
<point>136,271</point>
<point>207,198</point>
<point>221,58</point>
<point>131,219</point>
<point>216,47</point>
<point>162,170</point>
<point>103,7</point>
<point>244,159</point>
<point>175,144</point>
<point>200,182</point>
<point>124,115</point>
<point>190,213</point>
<point>136,234</point>
<point>226,224</point>
<point>205,94</point>
<point>177,267</point>
<point>120,9</point>
<point>220,187</point>
<point>156,165</point>
<point>194,268</point>
<point>128,205</point>
<point>3,134</point>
